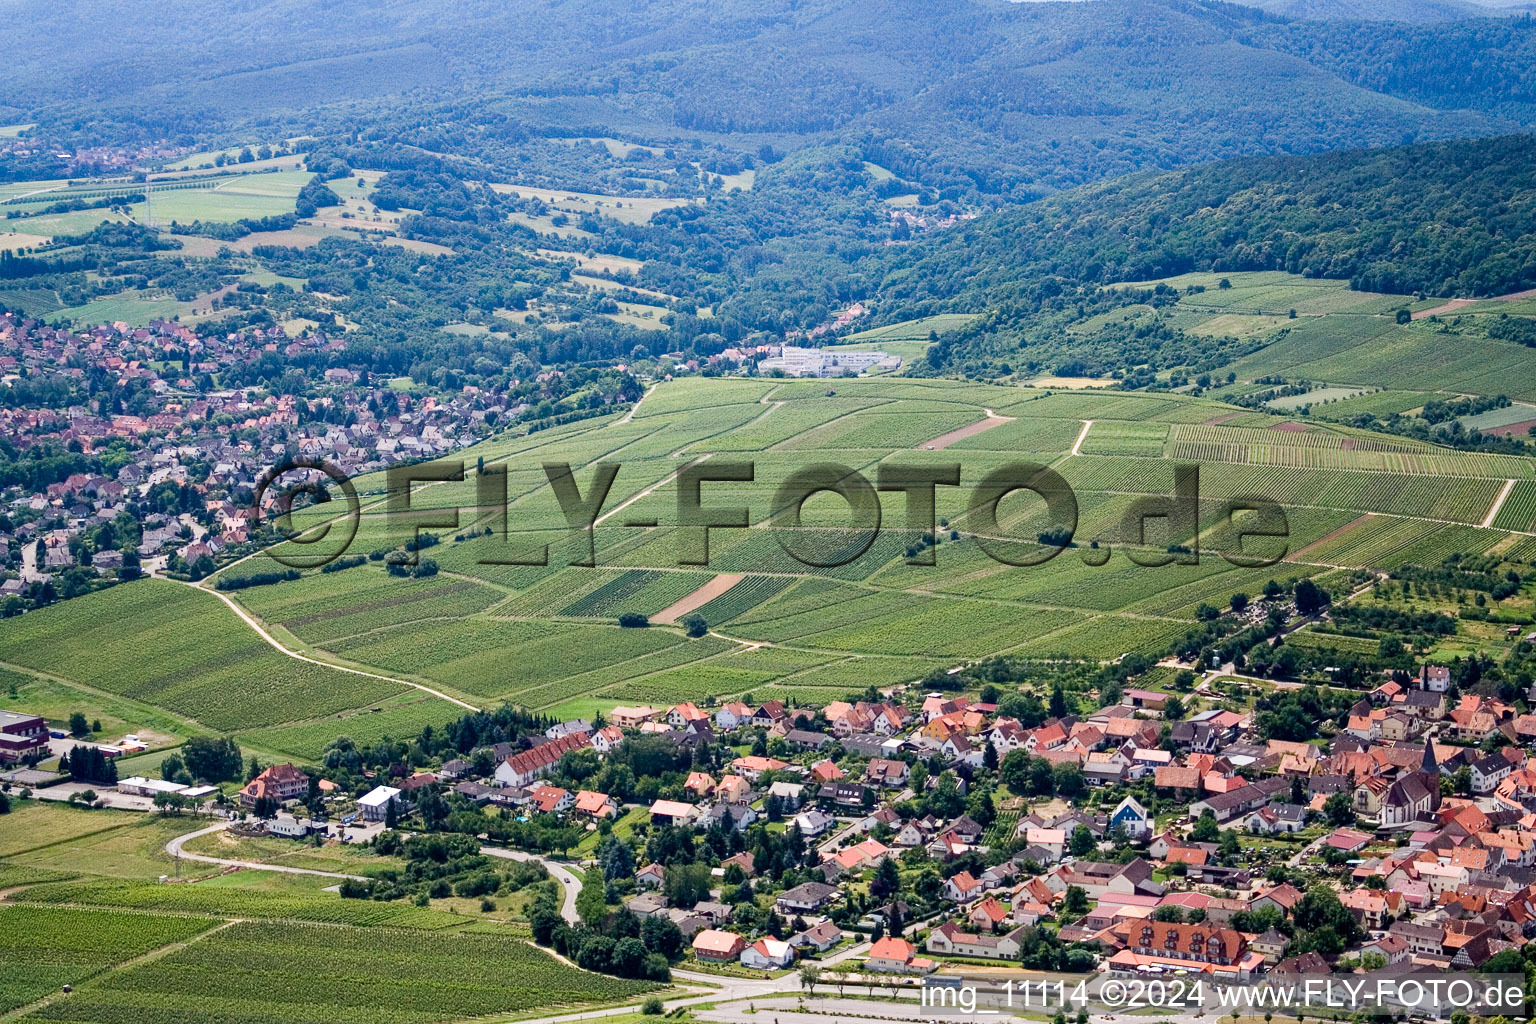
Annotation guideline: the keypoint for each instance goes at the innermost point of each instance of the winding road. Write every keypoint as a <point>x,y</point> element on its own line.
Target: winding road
<point>568,879</point>
<point>174,848</point>
<point>722,988</point>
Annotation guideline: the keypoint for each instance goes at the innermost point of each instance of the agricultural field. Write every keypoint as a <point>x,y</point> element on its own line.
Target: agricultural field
<point>912,330</point>
<point>341,975</point>
<point>37,825</point>
<point>184,652</point>
<point>1318,396</point>
<point>1519,509</point>
<point>245,900</point>
<point>484,630</point>
<point>44,948</point>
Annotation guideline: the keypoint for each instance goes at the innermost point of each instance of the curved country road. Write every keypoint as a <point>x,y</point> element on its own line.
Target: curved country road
<point>249,620</point>
<point>174,849</point>
<point>720,988</point>
<point>562,874</point>
<point>567,878</point>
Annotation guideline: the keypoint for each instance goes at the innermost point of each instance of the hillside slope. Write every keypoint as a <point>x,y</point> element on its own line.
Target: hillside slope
<point>1005,99</point>
<point>1451,218</point>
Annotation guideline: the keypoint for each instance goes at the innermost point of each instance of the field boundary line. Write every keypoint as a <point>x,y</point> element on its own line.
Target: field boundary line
<point>251,621</point>
<point>1498,503</point>
<point>137,961</point>
<point>648,491</point>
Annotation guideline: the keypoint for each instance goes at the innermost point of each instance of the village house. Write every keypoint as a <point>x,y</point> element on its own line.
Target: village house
<point>280,783</point>
<point>768,954</point>
<point>949,940</point>
<point>897,956</point>
<point>523,768</point>
<point>718,946</point>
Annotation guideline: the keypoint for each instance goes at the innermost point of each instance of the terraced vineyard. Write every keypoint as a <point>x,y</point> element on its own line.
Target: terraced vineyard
<point>547,636</point>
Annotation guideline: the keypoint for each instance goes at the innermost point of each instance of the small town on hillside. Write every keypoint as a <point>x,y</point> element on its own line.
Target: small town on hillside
<point>917,832</point>
<point>127,458</point>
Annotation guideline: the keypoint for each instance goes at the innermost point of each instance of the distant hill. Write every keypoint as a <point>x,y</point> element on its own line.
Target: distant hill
<point>1438,219</point>
<point>1415,11</point>
<point>1444,218</point>
<point>976,97</point>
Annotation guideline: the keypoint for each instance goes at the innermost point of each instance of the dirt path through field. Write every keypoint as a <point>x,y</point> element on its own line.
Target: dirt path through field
<point>273,642</point>
<point>1454,304</point>
<point>969,430</point>
<point>698,599</point>
<point>1498,503</point>
<point>1082,435</point>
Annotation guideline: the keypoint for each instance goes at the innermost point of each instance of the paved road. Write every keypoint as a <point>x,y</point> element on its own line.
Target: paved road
<point>174,848</point>
<point>562,874</point>
<point>724,989</point>
<point>1301,854</point>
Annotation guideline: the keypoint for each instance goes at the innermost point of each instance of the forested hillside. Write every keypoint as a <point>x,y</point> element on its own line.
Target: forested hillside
<point>1435,219</point>
<point>976,98</point>
<point>1451,218</point>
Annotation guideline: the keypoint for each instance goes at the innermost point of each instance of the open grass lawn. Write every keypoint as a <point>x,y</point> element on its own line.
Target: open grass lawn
<point>35,825</point>
<point>118,844</point>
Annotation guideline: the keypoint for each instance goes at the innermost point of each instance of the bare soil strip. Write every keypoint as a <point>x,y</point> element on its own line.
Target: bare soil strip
<point>1455,304</point>
<point>1520,429</point>
<point>1082,435</point>
<point>1349,527</point>
<point>698,599</point>
<point>1498,503</point>
<point>1449,307</point>
<point>969,430</point>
